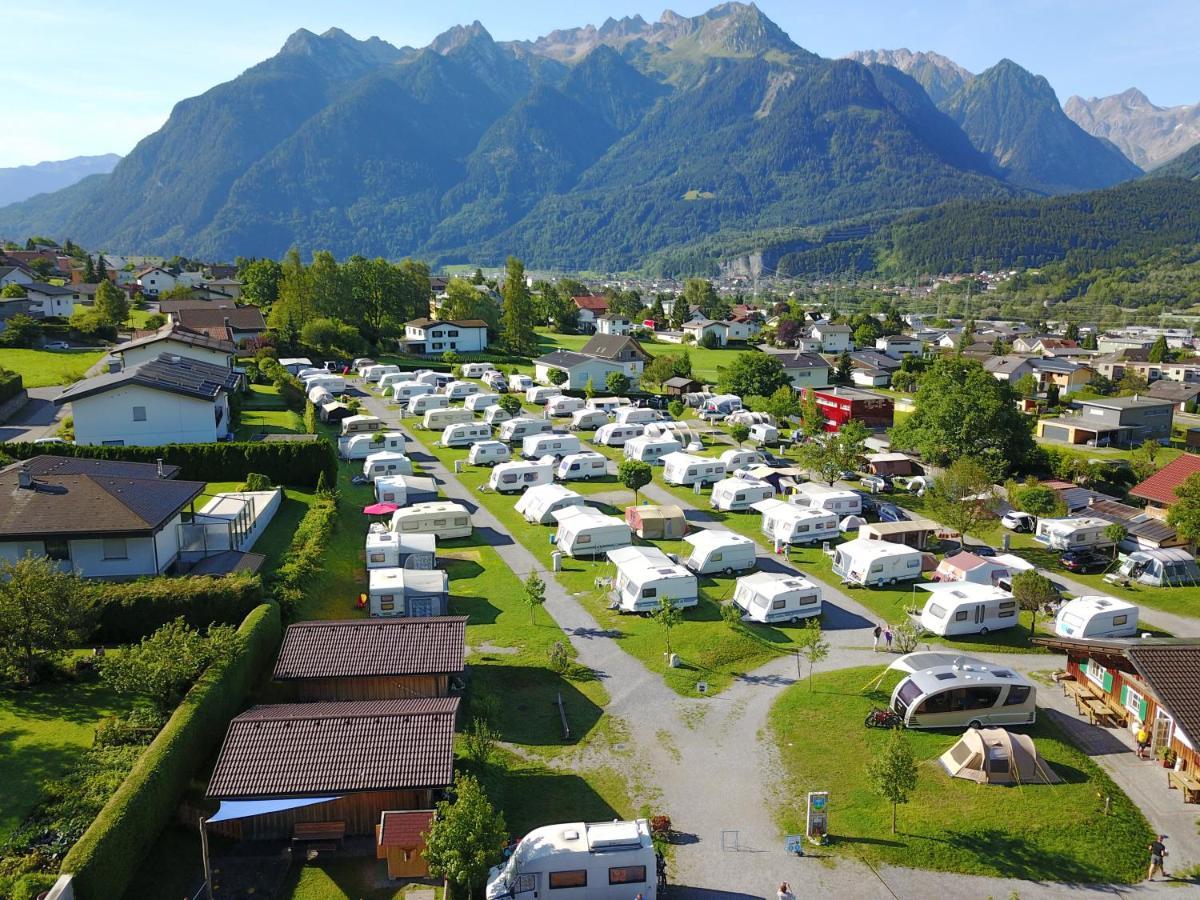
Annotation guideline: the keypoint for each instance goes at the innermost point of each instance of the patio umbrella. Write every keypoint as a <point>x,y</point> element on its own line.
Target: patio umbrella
<point>380,509</point>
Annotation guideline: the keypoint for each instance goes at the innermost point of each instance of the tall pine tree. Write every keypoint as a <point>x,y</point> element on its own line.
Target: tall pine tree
<point>518,320</point>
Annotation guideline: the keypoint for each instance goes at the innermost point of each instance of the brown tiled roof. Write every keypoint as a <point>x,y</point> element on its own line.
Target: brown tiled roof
<point>317,749</point>
<point>610,346</point>
<point>246,318</point>
<point>1160,487</point>
<point>1173,674</point>
<point>359,648</point>
<point>403,828</point>
<point>594,302</point>
<point>191,337</point>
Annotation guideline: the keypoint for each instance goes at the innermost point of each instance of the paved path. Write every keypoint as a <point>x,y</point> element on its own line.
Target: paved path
<point>37,419</point>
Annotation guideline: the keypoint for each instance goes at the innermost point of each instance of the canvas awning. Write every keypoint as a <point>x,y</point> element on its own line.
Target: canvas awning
<point>244,809</point>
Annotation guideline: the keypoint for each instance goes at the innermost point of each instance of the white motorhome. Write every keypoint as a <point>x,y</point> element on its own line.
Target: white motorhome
<point>717,550</point>
<point>864,562</point>
<point>386,463</point>
<point>686,469</point>
<point>831,499</point>
<point>582,466</point>
<point>721,405</point>
<point>388,550</point>
<point>738,494</point>
<point>360,446</point>
<point>422,404</point>
<point>949,690</point>
<point>764,434</point>
<point>1075,533</point>
<point>740,459</point>
<point>497,415</point>
<point>464,434</point>
<point>405,391</point>
<point>520,475</point>
<point>551,443</point>
<point>588,419</point>
<point>614,435</point>
<point>608,404</point>
<point>637,415</point>
<point>460,390</point>
<point>405,489</point>
<point>583,531</point>
<point>563,405</point>
<point>771,597</point>
<point>519,383</point>
<point>488,453</point>
<point>442,518</point>
<point>580,861</point>
<point>476,369</point>
<point>335,384</point>
<point>514,431</point>
<point>361,425</point>
<point>646,577</point>
<point>539,393</point>
<point>538,504</point>
<point>791,524</point>
<point>650,449</point>
<point>374,373</point>
<point>480,402</point>
<point>961,607</point>
<point>438,419</point>
<point>1096,617</point>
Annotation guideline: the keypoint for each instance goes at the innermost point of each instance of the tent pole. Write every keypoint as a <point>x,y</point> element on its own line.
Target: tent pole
<point>208,888</point>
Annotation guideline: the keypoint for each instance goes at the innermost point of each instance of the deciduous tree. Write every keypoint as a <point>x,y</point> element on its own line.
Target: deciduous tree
<point>1032,590</point>
<point>753,373</point>
<point>635,475</point>
<point>112,304</point>
<point>1184,514</point>
<point>668,615</point>
<point>43,612</point>
<point>962,496</point>
<point>165,664</point>
<point>466,836</point>
<point>535,593</point>
<point>617,383</point>
<point>893,771</point>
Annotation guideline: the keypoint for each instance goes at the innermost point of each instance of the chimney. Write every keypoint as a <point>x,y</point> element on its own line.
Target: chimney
<point>161,473</point>
<point>25,480</point>
<point>227,325</point>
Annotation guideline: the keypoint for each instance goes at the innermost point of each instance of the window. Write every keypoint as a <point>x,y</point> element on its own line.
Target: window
<point>377,557</point>
<point>139,414</point>
<point>626,874</point>
<point>716,557</point>
<point>649,592</point>
<point>1097,673</point>
<point>914,564</point>
<point>1017,694</point>
<point>387,605</point>
<point>452,333</point>
<point>1120,620</point>
<point>936,611</point>
<point>584,539</point>
<point>569,879</point>
<point>439,523</point>
<point>116,548</point>
<point>778,604</point>
<point>113,443</point>
<point>58,550</point>
<point>960,616</point>
<point>1134,701</point>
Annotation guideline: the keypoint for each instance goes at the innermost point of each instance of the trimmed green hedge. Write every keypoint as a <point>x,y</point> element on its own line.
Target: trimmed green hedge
<point>298,463</point>
<point>305,555</point>
<point>105,859</point>
<point>128,611</point>
<point>11,384</point>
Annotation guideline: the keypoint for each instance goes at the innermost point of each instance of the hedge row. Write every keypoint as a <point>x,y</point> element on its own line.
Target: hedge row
<point>128,611</point>
<point>297,463</point>
<point>108,855</point>
<point>11,384</point>
<point>305,556</point>
<point>291,388</point>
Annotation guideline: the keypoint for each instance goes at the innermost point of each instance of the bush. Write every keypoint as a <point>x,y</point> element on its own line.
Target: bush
<point>105,859</point>
<point>310,417</point>
<point>128,611</point>
<point>676,408</point>
<point>291,388</point>
<point>11,384</point>
<point>304,557</point>
<point>256,481</point>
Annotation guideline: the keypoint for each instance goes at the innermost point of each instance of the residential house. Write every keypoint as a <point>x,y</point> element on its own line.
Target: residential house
<point>1114,343</point>
<point>870,368</point>
<point>1063,374</point>
<point>155,280</point>
<point>1184,395</point>
<point>1143,530</point>
<point>804,370</point>
<point>230,287</point>
<point>1114,366</point>
<point>590,308</point>
<point>432,337</point>
<point>170,399</point>
<point>1159,489</point>
<point>1042,344</point>
<point>51,299</point>
<point>1111,421</point>
<point>841,404</point>
<point>177,340</point>
<point>99,518</point>
<point>243,322</point>
<point>580,368</point>
<point>613,324</point>
<point>699,329</point>
<point>898,346</point>
<point>619,349</point>
<point>742,328</point>
<point>1010,368</point>
<point>14,275</point>
<point>833,338</point>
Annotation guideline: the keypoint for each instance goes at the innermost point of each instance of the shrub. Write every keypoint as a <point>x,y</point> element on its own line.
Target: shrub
<point>310,417</point>
<point>676,408</point>
<point>11,384</point>
<point>256,481</point>
<point>128,611</point>
<point>304,557</point>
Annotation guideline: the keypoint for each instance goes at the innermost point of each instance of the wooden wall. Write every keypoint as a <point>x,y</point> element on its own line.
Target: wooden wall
<point>359,811</point>
<point>402,863</point>
<point>374,688</point>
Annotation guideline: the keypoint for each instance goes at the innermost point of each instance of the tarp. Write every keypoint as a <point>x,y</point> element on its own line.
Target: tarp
<point>244,809</point>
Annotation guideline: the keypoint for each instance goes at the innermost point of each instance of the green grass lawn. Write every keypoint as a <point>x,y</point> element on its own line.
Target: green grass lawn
<point>346,879</point>
<point>705,363</point>
<point>1035,832</point>
<point>265,412</point>
<point>44,368</point>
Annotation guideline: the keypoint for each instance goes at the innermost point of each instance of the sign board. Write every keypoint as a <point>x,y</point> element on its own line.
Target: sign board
<point>794,843</point>
<point>817,822</point>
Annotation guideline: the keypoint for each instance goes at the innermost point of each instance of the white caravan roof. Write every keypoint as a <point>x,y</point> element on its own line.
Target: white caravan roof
<point>965,591</point>
<point>707,540</point>
<point>773,584</point>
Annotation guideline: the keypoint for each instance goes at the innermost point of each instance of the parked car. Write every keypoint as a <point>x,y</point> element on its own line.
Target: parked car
<point>980,549</point>
<point>1085,561</point>
<point>890,512</point>
<point>876,484</point>
<point>1018,521</point>
<point>58,345</point>
<point>770,459</point>
<point>869,503</point>
<point>849,476</point>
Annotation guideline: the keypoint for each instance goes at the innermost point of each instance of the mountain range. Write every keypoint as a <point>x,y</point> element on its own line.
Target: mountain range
<point>588,148</point>
<point>20,182</point>
<point>1149,135</point>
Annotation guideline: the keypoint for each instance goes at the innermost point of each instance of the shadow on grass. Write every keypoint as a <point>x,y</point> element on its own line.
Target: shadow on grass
<point>462,569</point>
<point>835,838</point>
<point>529,695</point>
<point>1012,855</point>
<point>478,610</point>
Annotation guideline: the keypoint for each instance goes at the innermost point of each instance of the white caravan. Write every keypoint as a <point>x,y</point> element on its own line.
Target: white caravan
<point>387,384</point>
<point>563,405</point>
<point>583,531</point>
<point>461,390</point>
<point>588,419</point>
<point>864,562</point>
<point>480,402</point>
<point>717,550</point>
<point>538,504</point>
<point>496,415</point>
<point>738,494</point>
<point>686,469</point>
<point>520,475</point>
<point>388,550</point>
<point>791,524</point>
<point>650,449</point>
<point>318,396</point>
<point>361,425</point>
<point>764,434</point>
<point>476,369</point>
<point>637,415</point>
<point>488,453</point>
<point>614,435</point>
<point>376,372</point>
<point>360,446</point>
<point>960,607</point>
<point>386,463</point>
<point>1096,617</point>
<point>1076,533</point>
<point>335,384</point>
<point>646,577</point>
<point>549,444</point>
<point>514,431</point>
<point>539,394</point>
<point>740,459</point>
<point>405,489</point>
<point>608,404</point>
<point>407,592</point>
<point>519,383</point>
<point>438,419</point>
<point>580,861</point>
<point>830,499</point>
<point>582,466</point>
<point>296,364</point>
<point>771,597</point>
<point>949,690</point>
<point>464,434</point>
<point>442,518</point>
<point>405,391</point>
<point>426,403</point>
<point>436,380</point>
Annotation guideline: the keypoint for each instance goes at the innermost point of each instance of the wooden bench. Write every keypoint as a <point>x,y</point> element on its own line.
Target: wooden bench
<point>1186,783</point>
<point>320,835</point>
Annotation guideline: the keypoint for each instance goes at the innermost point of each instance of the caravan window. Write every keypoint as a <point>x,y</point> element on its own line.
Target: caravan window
<point>626,874</point>
<point>914,564</point>
<point>408,526</point>
<point>439,523</point>
<point>572,878</point>
<point>717,557</point>
<point>377,557</point>
<point>1120,620</point>
<point>1017,694</point>
<point>778,604</point>
<point>804,528</point>
<point>979,697</point>
<point>584,539</point>
<point>960,616</point>
<point>460,521</point>
<point>937,611</point>
<point>650,592</point>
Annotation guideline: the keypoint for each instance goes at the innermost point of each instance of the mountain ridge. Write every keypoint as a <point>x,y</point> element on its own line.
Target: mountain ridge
<point>1148,134</point>
<point>22,182</point>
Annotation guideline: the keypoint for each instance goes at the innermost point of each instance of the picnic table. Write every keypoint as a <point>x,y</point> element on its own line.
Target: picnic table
<point>1075,691</point>
<point>1189,784</point>
<point>1095,709</point>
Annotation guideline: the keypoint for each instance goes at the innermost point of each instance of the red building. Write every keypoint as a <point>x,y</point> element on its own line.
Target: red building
<point>841,404</point>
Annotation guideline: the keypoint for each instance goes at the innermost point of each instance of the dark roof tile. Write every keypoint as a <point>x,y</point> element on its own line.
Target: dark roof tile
<point>355,648</point>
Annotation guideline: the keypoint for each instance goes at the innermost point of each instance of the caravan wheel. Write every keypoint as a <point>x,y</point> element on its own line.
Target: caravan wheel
<point>795,620</point>
<point>983,630</point>
<point>974,723</point>
<point>728,570</point>
<point>891,582</point>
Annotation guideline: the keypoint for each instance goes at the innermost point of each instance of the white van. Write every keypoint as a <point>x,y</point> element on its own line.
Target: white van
<point>516,430</point>
<point>949,690</point>
<point>519,383</point>
<point>405,391</point>
<point>960,607</point>
<point>360,446</point>
<point>538,503</point>
<point>588,419</point>
<point>497,415</point>
<point>488,453</point>
<point>463,434</point>
<point>830,499</point>
<point>582,466</point>
<point>739,494</point>
<point>442,518</point>
<point>717,550</point>
<point>405,489</point>
<point>791,524</point>
<point>460,390</point>
<point>549,443</point>
<point>607,405</point>
<point>438,419</point>
<point>388,550</point>
<point>540,393</point>
<point>614,435</point>
<point>646,577</point>
<point>386,463</point>
<point>770,597</point>
<point>637,415</point>
<point>476,369</point>
<point>686,469</point>
<point>424,403</point>
<point>1096,617</point>
<point>563,405</point>
<point>864,562</point>
<point>740,459</point>
<point>583,531</point>
<point>764,434</point>
<point>520,475</point>
<point>335,384</point>
<point>481,401</point>
<point>374,373</point>
<point>651,450</point>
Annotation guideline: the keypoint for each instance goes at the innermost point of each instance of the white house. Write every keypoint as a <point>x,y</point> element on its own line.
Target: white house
<point>580,368</point>
<point>898,346</point>
<point>166,400</point>
<point>742,328</point>
<point>833,338</point>
<point>430,337</point>
<point>155,280</point>
<point>52,300</point>
<point>590,309</point>
<point>803,369</point>
<point>99,518</point>
<point>621,349</point>
<point>174,339</point>
<point>700,328</point>
<point>13,275</point>
<point>613,324</point>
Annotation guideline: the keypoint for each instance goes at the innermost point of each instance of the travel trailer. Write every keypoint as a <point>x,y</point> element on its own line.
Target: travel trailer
<point>488,453</point>
<point>404,391</point>
<point>405,489</point>
<point>538,504</point>
<point>1096,618</point>
<point>407,592</point>
<point>607,405</point>
<point>535,446</point>
<point>360,365</point>
<point>443,518</point>
<point>476,369</point>
<point>764,434</point>
<point>588,419</point>
<point>721,405</point>
<point>739,494</point>
<point>496,415</point>
<point>360,446</point>
<point>376,372</point>
<point>717,550</point>
<point>960,607</point>
<point>519,383</point>
<point>514,431</point>
<point>651,450</point>
<point>387,383</point>
<point>437,380</point>
<point>480,402</point>
<point>749,418</point>
<point>386,463</point>
<point>791,524</point>
<point>697,399</point>
<point>637,415</point>
<point>771,597</point>
<point>295,365</point>
<point>1076,533</point>
<point>422,404</point>
<point>686,469</point>
<point>438,419</point>
<point>388,550</point>
<point>361,425</point>
<point>520,475</point>
<point>461,390</point>
<point>614,435</point>
<point>1172,567</point>
<point>539,394</point>
<point>830,499</point>
<point>580,861</point>
<point>656,523</point>
<point>335,384</point>
<point>866,563</point>
<point>948,690</point>
<point>464,434</point>
<point>582,466</point>
<point>582,531</point>
<point>646,577</point>
<point>563,405</point>
<point>740,459</point>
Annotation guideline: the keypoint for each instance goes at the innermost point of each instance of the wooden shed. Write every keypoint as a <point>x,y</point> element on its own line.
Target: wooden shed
<point>915,532</point>
<point>399,838</point>
<point>679,385</point>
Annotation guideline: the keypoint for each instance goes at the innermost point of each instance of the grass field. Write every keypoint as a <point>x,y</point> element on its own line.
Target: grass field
<point>44,368</point>
<point>1036,832</point>
<point>705,363</point>
<point>264,412</point>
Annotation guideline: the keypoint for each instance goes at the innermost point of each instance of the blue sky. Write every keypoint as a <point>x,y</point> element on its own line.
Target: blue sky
<point>82,77</point>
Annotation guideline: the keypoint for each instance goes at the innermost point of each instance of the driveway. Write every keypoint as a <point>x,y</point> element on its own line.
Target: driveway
<point>38,419</point>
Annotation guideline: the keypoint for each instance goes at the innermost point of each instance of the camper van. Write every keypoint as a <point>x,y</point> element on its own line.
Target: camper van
<point>481,401</point>
<point>740,459</point>
<point>959,607</point>
<point>1096,618</point>
<point>361,425</point>
<point>335,384</point>
<point>739,494</point>
<point>550,443</point>
<point>1172,567</point>
<point>588,419</point>
<point>764,434</point>
<point>407,592</point>
<point>948,690</point>
<point>360,446</point>
<point>438,419</point>
<point>388,550</point>
<point>830,499</point>
<point>607,405</point>
<point>514,431</point>
<point>864,563</point>
<point>540,393</point>
<point>791,524</point>
<point>582,531</point>
<point>580,861</point>
<point>1075,533</point>
<point>685,469</point>
<point>721,405</point>
<point>464,434</point>
<point>386,463</point>
<point>771,597</point>
<point>496,415</point>
<point>646,577</point>
<point>476,369</point>
<point>405,489</point>
<point>717,550</point>
<point>422,404</point>
<point>405,391</point>
<point>562,405</point>
<point>520,475</point>
<point>582,466</point>
<point>614,435</point>
<point>637,415</point>
<point>650,449</point>
<point>442,518</point>
<point>538,504</point>
<point>488,453</point>
<point>461,390</point>
<point>519,383</point>
<point>376,372</point>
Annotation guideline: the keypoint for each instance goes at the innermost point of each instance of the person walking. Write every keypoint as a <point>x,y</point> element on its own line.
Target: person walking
<point>785,892</point>
<point>1143,741</point>
<point>1158,852</point>
<point>887,637</point>
<point>878,634</point>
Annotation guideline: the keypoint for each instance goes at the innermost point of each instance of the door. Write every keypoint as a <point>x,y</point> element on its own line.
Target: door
<point>980,614</point>
<point>420,606</point>
<point>1160,733</point>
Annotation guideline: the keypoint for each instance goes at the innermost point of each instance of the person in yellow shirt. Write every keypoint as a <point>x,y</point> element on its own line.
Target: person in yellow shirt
<point>1143,741</point>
